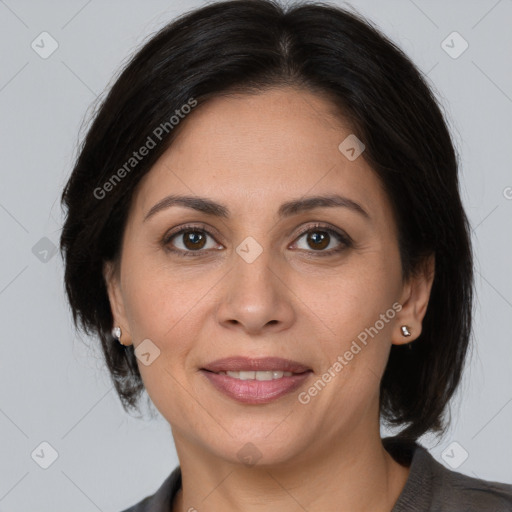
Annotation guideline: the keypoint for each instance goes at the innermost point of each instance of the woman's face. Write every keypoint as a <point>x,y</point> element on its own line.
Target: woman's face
<point>253,284</point>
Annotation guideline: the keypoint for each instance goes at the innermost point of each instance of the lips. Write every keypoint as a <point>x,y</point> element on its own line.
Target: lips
<point>238,364</point>
<point>287,377</point>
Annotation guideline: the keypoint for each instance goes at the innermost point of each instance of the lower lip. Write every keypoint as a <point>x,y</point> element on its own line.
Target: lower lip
<point>256,391</point>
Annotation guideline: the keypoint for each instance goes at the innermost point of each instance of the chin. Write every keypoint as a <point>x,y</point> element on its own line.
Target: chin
<point>262,447</point>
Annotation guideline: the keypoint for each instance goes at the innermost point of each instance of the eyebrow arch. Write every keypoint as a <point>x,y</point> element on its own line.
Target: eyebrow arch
<point>207,206</point>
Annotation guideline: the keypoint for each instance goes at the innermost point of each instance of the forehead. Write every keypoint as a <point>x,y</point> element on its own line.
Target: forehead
<point>259,151</point>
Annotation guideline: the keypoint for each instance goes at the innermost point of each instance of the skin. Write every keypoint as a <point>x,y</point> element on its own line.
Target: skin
<point>252,153</point>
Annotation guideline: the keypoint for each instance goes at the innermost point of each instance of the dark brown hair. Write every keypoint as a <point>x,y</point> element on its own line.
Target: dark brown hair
<point>248,46</point>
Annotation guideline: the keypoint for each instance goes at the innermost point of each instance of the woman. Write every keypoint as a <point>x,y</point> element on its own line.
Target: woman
<point>264,230</point>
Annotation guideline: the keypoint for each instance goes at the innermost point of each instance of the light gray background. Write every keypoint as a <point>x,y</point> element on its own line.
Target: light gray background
<point>54,388</point>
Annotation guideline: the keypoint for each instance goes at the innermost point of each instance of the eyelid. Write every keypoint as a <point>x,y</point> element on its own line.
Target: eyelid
<point>341,235</point>
<point>326,227</point>
<point>189,227</point>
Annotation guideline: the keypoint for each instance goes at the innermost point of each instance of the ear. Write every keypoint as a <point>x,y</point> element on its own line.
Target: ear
<point>414,301</point>
<point>113,284</point>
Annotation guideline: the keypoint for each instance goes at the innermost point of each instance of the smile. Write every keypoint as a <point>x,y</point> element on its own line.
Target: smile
<point>260,375</point>
<point>255,387</point>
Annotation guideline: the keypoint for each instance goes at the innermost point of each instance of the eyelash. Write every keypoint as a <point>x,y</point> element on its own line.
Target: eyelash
<point>345,240</point>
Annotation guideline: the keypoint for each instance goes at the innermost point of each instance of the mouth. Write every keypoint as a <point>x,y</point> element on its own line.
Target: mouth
<point>256,381</point>
<point>246,365</point>
<point>256,375</point>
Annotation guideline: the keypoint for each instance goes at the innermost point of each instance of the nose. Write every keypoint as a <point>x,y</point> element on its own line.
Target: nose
<point>255,297</point>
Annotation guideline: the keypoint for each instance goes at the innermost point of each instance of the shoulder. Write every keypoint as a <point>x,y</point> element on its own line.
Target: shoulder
<point>433,487</point>
<point>161,500</point>
<point>141,506</point>
<point>452,489</point>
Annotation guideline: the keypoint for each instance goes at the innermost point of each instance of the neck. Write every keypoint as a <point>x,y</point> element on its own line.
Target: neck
<point>355,472</point>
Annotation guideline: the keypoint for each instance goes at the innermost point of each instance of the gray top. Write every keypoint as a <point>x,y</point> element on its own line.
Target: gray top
<point>430,487</point>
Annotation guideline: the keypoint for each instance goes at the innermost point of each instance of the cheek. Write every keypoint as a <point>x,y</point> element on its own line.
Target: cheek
<point>163,310</point>
<point>355,349</point>
<point>354,298</point>
<point>355,312</point>
<point>158,298</point>
<point>169,310</point>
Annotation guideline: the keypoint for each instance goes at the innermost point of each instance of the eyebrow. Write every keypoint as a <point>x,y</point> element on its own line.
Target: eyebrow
<point>209,207</point>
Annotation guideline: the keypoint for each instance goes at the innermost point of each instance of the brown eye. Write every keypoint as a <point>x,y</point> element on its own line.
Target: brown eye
<point>189,241</point>
<point>193,240</point>
<point>319,237</point>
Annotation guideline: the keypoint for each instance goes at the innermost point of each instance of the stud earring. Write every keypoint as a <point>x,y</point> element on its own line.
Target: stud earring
<point>116,333</point>
<point>405,330</point>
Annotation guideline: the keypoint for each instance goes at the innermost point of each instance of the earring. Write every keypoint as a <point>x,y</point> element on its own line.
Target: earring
<point>116,333</point>
<point>405,330</point>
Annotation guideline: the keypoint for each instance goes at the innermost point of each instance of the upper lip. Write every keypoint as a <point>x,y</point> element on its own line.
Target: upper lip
<point>237,364</point>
